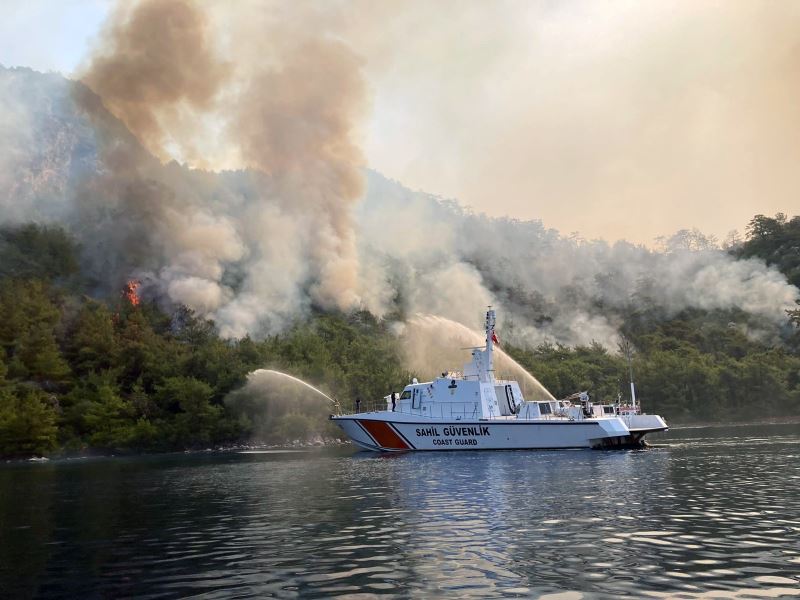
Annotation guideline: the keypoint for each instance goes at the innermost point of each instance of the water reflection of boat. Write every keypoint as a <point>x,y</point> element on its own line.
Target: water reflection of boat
<point>471,410</point>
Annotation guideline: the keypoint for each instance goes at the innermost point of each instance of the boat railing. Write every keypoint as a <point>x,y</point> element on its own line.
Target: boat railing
<point>441,410</point>
<point>463,410</point>
<point>367,406</point>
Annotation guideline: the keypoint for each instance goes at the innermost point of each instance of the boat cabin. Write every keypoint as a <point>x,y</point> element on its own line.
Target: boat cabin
<point>474,393</point>
<point>458,397</point>
<point>453,396</point>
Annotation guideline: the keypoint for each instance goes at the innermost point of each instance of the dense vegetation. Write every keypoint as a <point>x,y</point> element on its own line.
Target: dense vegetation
<point>776,240</point>
<point>697,365</point>
<point>694,367</point>
<point>79,373</point>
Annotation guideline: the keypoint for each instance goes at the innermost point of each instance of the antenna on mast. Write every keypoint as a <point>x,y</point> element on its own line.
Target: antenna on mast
<point>490,338</point>
<point>628,354</point>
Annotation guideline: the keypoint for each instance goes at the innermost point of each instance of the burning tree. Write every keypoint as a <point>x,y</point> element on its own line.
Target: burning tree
<point>131,292</point>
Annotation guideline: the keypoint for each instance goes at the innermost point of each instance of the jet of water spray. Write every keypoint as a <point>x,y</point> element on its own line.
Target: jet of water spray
<point>431,342</point>
<point>259,372</point>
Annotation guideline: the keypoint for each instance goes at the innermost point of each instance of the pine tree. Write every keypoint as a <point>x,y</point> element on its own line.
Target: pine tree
<point>27,422</point>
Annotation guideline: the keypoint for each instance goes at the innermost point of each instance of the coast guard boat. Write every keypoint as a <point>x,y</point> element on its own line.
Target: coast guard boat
<point>473,410</point>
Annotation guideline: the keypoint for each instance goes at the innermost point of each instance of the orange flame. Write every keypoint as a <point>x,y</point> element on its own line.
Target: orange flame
<point>130,292</point>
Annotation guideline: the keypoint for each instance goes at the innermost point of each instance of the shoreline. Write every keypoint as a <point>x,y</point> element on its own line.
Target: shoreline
<point>794,420</point>
<point>319,443</point>
<point>254,447</point>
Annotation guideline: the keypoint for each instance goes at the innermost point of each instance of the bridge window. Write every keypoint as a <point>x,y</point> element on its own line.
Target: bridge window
<point>405,395</point>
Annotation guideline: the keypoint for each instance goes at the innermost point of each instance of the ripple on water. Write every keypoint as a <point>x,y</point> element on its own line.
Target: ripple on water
<point>702,517</point>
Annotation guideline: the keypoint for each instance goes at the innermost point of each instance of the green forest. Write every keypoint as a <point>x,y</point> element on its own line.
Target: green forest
<point>82,372</point>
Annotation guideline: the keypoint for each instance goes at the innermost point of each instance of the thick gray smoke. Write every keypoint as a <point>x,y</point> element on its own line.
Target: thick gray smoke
<point>156,65</point>
<point>550,288</point>
<point>295,227</point>
<point>287,243</point>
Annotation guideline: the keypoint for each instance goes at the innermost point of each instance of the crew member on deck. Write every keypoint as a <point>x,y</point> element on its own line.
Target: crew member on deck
<point>394,400</point>
<point>358,405</point>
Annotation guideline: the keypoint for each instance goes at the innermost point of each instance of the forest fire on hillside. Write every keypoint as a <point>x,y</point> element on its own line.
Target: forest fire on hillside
<point>131,292</point>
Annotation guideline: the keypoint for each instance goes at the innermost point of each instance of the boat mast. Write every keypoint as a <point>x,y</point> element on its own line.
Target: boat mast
<point>490,337</point>
<point>630,371</point>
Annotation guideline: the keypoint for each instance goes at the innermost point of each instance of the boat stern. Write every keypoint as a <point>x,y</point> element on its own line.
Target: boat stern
<point>635,428</point>
<point>647,424</point>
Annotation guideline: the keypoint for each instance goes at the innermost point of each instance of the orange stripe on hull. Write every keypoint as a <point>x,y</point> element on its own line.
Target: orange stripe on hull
<point>384,435</point>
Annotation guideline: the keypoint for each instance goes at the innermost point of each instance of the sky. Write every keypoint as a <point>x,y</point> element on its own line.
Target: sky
<point>615,120</point>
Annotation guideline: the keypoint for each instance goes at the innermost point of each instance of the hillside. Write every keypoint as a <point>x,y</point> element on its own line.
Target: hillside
<point>776,241</point>
<point>233,277</point>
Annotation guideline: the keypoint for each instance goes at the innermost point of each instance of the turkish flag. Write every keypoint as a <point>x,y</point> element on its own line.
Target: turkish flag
<point>494,338</point>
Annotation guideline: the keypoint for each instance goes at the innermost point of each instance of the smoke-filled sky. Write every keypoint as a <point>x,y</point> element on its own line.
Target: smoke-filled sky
<point>616,120</point>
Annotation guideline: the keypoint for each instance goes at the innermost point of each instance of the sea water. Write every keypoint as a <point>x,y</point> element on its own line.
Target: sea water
<point>708,511</point>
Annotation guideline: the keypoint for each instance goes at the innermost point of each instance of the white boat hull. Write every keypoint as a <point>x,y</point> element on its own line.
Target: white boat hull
<point>385,432</point>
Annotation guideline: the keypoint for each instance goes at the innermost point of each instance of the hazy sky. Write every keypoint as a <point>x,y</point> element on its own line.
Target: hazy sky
<point>613,119</point>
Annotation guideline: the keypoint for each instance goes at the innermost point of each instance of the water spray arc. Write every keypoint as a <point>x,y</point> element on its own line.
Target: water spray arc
<point>258,372</point>
<point>433,339</point>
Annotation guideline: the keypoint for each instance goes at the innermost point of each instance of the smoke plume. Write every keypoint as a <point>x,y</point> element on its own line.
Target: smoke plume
<point>551,288</point>
<point>268,211</point>
<point>288,118</point>
<point>295,124</point>
<point>156,68</point>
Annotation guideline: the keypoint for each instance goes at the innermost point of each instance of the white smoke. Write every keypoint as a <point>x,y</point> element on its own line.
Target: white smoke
<point>457,262</point>
<point>256,249</point>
